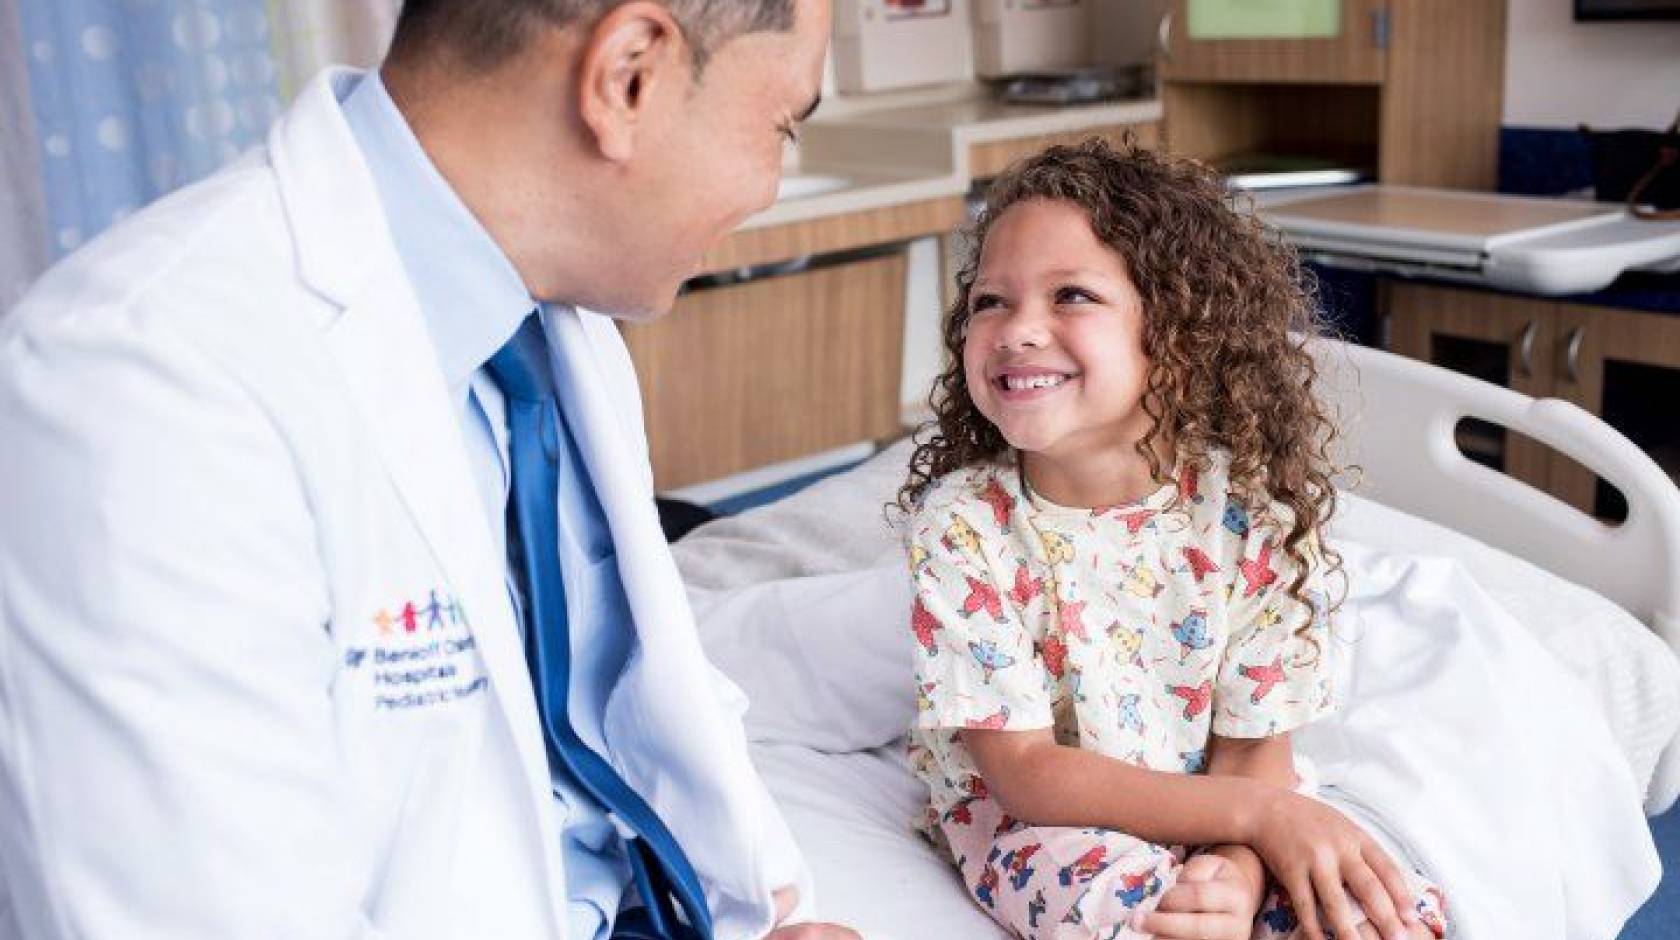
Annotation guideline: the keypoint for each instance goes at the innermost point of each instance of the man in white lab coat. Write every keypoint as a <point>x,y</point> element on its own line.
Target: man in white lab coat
<point>333,601</point>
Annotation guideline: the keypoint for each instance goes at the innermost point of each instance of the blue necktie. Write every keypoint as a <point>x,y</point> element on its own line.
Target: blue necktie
<point>658,866</point>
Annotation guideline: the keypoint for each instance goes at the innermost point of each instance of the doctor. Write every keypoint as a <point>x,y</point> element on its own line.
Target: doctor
<point>333,601</point>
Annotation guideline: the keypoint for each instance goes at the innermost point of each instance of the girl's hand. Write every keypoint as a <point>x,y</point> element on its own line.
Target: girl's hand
<point>1318,856</point>
<point>1213,900</point>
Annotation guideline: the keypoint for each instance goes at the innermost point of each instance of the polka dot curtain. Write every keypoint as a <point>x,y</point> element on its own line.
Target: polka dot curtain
<point>131,99</point>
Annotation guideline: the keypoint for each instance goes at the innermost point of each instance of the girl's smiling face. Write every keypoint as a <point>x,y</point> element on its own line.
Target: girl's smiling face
<point>1053,354</point>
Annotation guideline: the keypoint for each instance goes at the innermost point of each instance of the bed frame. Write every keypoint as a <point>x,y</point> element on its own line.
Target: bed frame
<point>1398,417</point>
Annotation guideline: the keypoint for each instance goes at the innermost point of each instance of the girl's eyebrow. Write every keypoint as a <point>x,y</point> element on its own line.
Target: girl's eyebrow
<point>1054,274</point>
<point>1074,273</point>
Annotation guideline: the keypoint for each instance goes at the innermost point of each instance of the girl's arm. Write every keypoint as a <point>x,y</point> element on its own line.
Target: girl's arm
<point>1268,759</point>
<point>1044,783</point>
<point>1271,760</point>
<point>1316,853</point>
<point>1381,889</point>
<point>1039,781</point>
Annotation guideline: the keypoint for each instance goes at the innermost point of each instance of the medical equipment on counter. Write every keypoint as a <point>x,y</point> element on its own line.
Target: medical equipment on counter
<point>1014,36</point>
<point>884,44</point>
<point>1084,85</point>
<point>1518,243</point>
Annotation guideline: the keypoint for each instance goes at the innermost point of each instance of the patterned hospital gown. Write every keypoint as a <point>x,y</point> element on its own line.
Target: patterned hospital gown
<point>1133,630</point>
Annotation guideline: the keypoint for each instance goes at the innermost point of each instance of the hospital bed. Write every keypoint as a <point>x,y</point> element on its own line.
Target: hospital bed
<point>801,602</point>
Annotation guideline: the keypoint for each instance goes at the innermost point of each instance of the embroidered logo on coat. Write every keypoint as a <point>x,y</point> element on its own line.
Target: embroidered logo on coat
<point>420,654</point>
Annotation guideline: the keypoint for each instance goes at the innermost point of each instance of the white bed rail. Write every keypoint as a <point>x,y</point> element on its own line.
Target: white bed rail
<point>1397,418</point>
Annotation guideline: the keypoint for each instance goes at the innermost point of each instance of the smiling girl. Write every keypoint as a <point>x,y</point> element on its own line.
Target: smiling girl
<point>1122,601</point>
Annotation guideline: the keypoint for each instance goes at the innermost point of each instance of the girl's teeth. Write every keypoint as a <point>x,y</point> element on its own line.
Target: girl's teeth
<point>1019,383</point>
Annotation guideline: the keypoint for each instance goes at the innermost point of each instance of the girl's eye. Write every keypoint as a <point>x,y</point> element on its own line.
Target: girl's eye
<point>1074,295</point>
<point>983,302</point>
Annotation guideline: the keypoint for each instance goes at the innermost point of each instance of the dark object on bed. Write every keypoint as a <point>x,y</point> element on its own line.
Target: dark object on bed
<point>680,517</point>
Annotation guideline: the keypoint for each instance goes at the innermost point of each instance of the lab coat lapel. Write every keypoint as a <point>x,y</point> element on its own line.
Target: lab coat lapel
<point>385,354</point>
<point>688,755</point>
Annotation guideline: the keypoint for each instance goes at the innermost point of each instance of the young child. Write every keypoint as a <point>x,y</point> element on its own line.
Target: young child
<point>1123,599</point>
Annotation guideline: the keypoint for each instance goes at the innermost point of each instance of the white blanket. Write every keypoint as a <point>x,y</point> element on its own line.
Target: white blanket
<point>1464,739</point>
<point>1460,738</point>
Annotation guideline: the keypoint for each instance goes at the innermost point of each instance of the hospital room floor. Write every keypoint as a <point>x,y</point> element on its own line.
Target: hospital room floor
<point>1659,919</point>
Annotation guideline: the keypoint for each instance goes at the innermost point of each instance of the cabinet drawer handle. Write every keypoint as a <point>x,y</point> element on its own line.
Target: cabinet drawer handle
<point>1163,35</point>
<point>1525,348</point>
<point>1572,354</point>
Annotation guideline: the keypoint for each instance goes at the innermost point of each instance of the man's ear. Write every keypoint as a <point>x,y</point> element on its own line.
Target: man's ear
<point>632,54</point>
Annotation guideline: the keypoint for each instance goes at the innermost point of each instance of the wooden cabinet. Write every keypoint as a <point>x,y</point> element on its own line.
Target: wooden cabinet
<point>1409,89</point>
<point>803,358</point>
<point>1619,364</point>
<point>1624,366</point>
<point>768,370</point>
<point>1355,55</point>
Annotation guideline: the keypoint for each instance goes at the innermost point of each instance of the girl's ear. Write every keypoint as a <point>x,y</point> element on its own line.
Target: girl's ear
<point>632,55</point>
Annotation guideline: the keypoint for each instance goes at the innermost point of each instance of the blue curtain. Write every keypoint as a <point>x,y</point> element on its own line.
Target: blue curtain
<point>133,98</point>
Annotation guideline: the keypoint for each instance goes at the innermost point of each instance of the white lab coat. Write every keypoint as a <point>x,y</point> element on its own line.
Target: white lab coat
<point>227,463</point>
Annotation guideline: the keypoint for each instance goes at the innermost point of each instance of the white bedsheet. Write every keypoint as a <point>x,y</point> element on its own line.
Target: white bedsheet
<point>851,812</point>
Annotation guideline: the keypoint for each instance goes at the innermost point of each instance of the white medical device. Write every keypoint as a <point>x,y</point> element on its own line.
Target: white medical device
<point>884,44</point>
<point>1518,243</point>
<point>1015,36</point>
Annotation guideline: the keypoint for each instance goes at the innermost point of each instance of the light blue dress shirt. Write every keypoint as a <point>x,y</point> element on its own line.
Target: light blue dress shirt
<point>473,300</point>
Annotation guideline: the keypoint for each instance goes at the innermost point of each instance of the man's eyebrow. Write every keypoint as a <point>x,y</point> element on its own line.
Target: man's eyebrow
<point>809,109</point>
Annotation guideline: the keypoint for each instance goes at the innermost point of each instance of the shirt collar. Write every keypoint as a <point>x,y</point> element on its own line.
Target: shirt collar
<point>469,293</point>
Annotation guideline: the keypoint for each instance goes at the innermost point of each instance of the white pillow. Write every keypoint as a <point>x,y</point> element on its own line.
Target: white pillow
<point>825,660</point>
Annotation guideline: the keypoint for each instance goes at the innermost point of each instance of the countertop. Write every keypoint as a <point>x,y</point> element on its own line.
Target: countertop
<point>881,158</point>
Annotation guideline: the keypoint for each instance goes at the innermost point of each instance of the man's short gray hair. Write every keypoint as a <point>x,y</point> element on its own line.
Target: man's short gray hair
<point>483,34</point>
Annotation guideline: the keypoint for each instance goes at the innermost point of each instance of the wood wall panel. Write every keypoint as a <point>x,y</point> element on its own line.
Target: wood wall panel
<point>773,369</point>
<point>1445,94</point>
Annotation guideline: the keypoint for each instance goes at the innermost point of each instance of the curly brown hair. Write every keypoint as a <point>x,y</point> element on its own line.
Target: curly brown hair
<point>1227,313</point>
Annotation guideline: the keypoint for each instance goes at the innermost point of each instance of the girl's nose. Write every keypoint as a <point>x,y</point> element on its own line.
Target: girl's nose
<point>1025,328</point>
